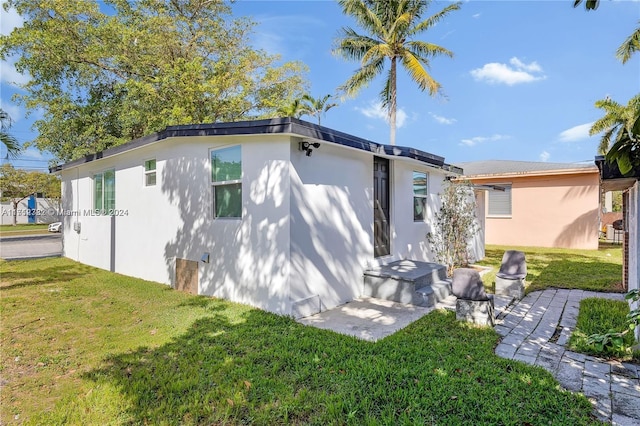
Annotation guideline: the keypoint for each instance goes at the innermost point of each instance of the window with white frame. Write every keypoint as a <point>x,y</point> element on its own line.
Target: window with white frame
<point>104,191</point>
<point>500,201</point>
<point>150,172</point>
<point>419,196</point>
<point>226,182</point>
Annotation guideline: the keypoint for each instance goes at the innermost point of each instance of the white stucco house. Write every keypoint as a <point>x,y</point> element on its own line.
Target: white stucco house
<point>280,214</point>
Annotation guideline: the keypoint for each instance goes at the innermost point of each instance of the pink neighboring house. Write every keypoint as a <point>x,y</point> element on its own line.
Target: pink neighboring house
<point>537,204</point>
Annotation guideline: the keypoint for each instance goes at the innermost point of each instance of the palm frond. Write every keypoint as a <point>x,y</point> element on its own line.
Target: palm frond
<point>434,19</point>
<point>364,15</point>
<point>629,47</point>
<point>354,46</point>
<point>381,50</point>
<point>419,74</point>
<point>363,76</point>
<point>605,141</point>
<point>423,49</point>
<point>9,141</point>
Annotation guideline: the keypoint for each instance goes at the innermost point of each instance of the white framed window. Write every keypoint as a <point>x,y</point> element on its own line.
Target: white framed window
<point>150,172</point>
<point>104,191</point>
<point>500,201</point>
<point>419,196</point>
<point>226,182</point>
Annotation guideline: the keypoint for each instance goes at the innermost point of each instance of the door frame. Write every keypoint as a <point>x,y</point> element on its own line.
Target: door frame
<point>381,215</point>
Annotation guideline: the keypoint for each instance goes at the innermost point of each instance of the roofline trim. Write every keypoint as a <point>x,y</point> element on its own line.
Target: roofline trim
<point>553,172</point>
<point>285,125</point>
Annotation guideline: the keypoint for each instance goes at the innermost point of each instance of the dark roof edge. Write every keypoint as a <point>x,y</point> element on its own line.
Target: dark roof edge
<point>610,171</point>
<point>267,126</point>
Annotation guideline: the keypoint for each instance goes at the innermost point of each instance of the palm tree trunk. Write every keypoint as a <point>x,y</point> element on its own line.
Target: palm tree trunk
<point>392,103</point>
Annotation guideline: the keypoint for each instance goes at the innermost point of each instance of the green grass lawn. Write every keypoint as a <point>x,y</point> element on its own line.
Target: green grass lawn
<point>85,346</point>
<point>599,316</point>
<point>23,229</point>
<point>597,270</point>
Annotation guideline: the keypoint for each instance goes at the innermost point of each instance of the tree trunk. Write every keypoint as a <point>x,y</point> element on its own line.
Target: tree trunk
<point>15,212</point>
<point>392,103</point>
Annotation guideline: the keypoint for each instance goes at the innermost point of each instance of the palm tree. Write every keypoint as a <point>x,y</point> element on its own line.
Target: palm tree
<point>317,106</point>
<point>294,109</point>
<point>391,26</point>
<point>13,147</point>
<point>621,126</point>
<point>616,120</point>
<point>630,46</point>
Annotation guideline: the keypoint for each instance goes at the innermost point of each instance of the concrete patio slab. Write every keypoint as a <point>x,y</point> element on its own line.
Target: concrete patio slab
<point>367,318</point>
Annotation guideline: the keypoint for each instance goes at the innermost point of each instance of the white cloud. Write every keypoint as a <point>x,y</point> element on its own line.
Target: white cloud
<point>480,139</point>
<point>443,120</point>
<point>516,73</point>
<point>532,67</point>
<point>32,153</point>
<point>10,75</point>
<point>375,110</point>
<point>476,16</point>
<point>575,133</point>
<point>544,156</point>
<point>10,20</point>
<point>14,111</point>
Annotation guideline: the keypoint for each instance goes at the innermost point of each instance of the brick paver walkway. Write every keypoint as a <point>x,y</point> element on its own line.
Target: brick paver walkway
<point>536,330</point>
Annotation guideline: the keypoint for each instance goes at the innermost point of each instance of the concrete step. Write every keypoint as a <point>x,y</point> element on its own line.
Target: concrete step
<point>448,303</point>
<point>408,281</point>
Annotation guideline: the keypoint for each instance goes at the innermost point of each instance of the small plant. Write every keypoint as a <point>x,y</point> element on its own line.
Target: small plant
<point>455,226</point>
<point>615,339</point>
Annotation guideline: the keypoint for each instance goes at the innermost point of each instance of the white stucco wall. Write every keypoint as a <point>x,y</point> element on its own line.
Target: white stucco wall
<point>249,257</point>
<point>304,239</point>
<point>331,225</point>
<point>409,237</point>
<point>332,222</point>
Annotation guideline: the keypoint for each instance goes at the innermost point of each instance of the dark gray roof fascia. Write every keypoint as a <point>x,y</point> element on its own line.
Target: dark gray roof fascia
<point>286,125</point>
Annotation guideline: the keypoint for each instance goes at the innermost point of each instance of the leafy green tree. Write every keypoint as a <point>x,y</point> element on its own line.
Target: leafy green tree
<point>454,226</point>
<point>107,72</point>
<point>9,141</point>
<point>317,107</point>
<point>18,184</point>
<point>391,27</point>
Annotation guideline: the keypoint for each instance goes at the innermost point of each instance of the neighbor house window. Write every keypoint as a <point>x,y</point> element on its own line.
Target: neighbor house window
<point>150,172</point>
<point>419,196</point>
<point>226,182</point>
<point>500,201</point>
<point>104,191</point>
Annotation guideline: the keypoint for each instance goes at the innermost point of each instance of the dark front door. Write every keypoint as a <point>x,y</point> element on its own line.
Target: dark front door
<point>381,240</point>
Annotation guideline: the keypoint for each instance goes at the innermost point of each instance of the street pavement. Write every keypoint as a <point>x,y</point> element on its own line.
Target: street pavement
<point>30,246</point>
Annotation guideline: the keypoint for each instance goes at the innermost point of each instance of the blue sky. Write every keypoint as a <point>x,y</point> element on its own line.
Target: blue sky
<point>521,86</point>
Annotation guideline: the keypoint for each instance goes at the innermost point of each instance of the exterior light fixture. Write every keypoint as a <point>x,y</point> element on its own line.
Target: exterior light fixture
<point>307,147</point>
